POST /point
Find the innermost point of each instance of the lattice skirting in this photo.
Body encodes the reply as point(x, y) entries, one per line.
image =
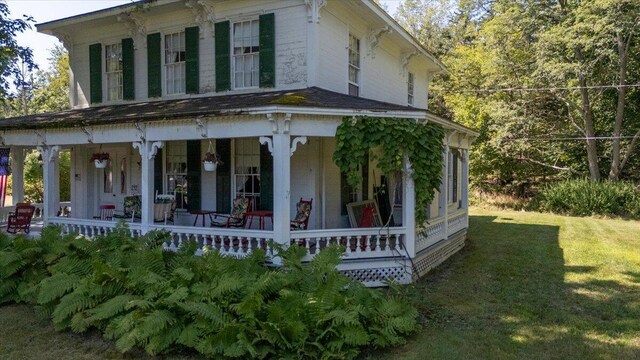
point(433, 256)
point(374, 273)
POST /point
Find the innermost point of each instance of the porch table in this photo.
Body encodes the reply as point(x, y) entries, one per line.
point(201, 213)
point(261, 215)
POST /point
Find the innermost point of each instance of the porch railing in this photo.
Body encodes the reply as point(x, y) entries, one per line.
point(65, 206)
point(231, 242)
point(431, 234)
point(91, 227)
point(457, 221)
point(359, 243)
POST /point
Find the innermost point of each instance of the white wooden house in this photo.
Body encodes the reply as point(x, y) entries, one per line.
point(265, 83)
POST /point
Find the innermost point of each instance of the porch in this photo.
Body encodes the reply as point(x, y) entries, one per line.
point(273, 157)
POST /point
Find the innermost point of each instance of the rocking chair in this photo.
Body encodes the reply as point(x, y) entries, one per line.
point(106, 212)
point(303, 211)
point(237, 218)
point(20, 219)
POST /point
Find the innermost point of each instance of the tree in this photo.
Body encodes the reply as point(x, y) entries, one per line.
point(13, 57)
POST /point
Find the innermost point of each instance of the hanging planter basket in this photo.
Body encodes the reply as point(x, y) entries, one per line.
point(211, 160)
point(100, 159)
point(101, 164)
point(210, 165)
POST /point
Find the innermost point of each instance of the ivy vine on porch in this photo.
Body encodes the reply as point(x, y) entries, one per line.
point(420, 143)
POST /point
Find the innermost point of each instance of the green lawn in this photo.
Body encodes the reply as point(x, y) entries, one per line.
point(526, 286)
point(533, 286)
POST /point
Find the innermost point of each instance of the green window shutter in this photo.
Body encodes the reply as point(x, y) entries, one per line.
point(267, 51)
point(223, 56)
point(192, 47)
point(154, 65)
point(95, 73)
point(266, 178)
point(223, 176)
point(158, 186)
point(128, 74)
point(194, 175)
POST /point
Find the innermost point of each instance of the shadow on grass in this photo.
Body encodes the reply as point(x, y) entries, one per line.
point(506, 296)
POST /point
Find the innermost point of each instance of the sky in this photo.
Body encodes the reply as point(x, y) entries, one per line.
point(47, 10)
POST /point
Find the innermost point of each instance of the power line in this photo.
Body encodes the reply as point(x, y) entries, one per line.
point(517, 89)
point(567, 138)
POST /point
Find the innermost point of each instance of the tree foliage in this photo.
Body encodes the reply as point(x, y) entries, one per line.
point(13, 57)
point(561, 44)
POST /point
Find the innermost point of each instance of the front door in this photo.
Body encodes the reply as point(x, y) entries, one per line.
point(113, 180)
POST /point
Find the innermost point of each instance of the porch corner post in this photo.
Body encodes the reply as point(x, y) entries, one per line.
point(281, 189)
point(148, 151)
point(17, 175)
point(443, 210)
point(465, 183)
point(51, 181)
point(409, 209)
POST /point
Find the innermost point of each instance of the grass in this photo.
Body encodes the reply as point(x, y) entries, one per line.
point(533, 286)
point(526, 286)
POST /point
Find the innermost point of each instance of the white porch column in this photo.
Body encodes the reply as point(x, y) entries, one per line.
point(282, 187)
point(408, 209)
point(148, 151)
point(17, 175)
point(465, 182)
point(51, 181)
point(443, 203)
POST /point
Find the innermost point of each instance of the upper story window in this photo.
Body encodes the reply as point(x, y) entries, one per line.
point(410, 88)
point(113, 71)
point(354, 65)
point(174, 63)
point(246, 51)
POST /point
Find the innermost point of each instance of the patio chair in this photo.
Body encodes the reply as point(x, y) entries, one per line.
point(20, 219)
point(106, 212)
point(132, 208)
point(303, 211)
point(237, 218)
point(164, 207)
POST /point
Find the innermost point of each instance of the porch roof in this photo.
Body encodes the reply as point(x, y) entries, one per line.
point(212, 106)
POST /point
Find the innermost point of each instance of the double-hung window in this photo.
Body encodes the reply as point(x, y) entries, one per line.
point(354, 65)
point(113, 71)
point(452, 195)
point(246, 53)
point(174, 63)
point(176, 171)
point(410, 88)
point(247, 170)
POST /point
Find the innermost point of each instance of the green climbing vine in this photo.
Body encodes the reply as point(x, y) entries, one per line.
point(395, 138)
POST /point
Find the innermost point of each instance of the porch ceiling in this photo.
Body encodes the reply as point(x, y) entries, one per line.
point(209, 106)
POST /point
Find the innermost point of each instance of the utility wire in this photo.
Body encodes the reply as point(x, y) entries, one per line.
point(567, 138)
point(517, 89)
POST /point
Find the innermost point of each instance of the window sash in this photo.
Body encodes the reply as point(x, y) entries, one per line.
point(354, 66)
point(410, 89)
point(113, 71)
point(175, 63)
point(176, 172)
point(245, 51)
point(247, 170)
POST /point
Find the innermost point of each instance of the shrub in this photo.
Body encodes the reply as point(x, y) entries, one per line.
point(585, 198)
point(142, 296)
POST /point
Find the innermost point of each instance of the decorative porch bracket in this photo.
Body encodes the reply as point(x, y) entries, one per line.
point(404, 60)
point(153, 150)
point(89, 134)
point(48, 152)
point(298, 140)
point(203, 13)
point(137, 27)
point(202, 126)
point(268, 141)
point(313, 10)
point(275, 126)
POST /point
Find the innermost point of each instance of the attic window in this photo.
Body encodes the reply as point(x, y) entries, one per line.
point(113, 71)
point(354, 65)
point(410, 88)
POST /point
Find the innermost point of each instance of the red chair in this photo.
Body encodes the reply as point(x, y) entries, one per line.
point(106, 212)
point(20, 219)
